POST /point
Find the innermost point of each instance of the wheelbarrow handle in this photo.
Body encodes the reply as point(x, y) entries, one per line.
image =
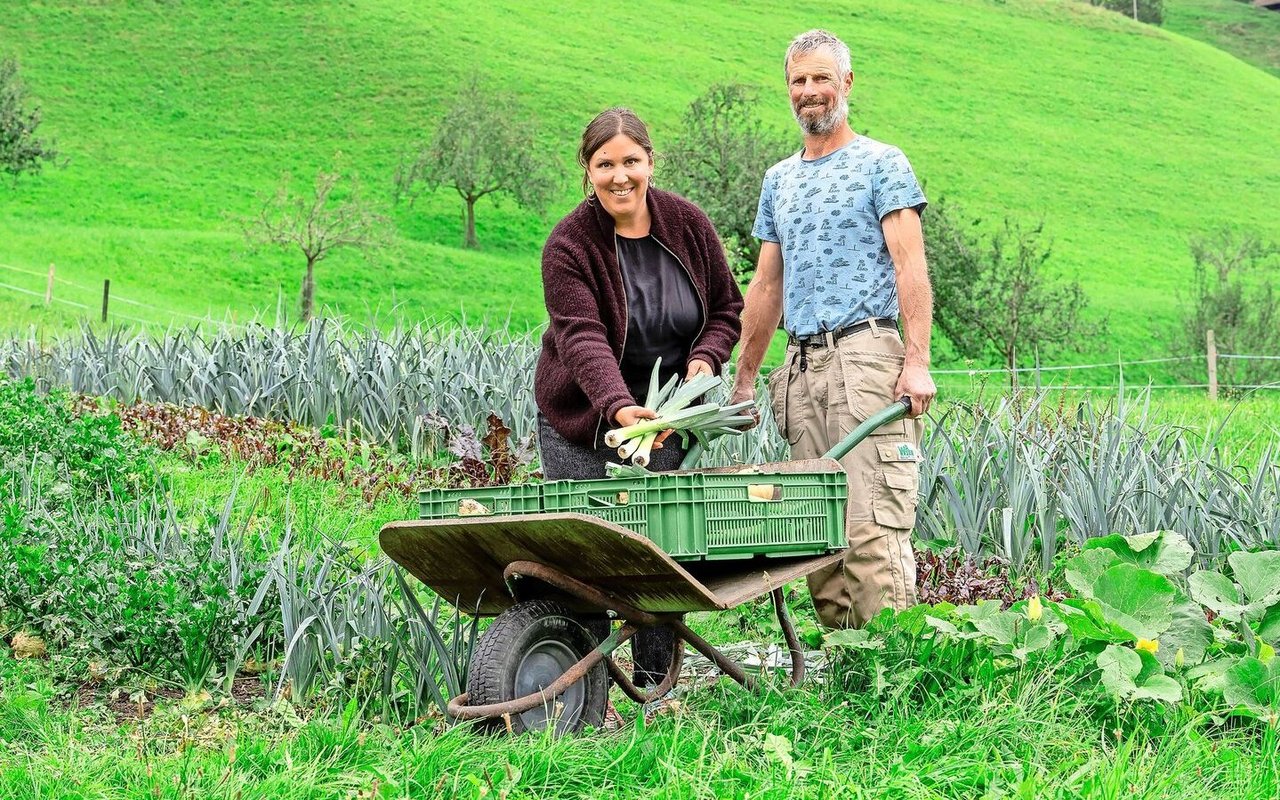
point(894, 412)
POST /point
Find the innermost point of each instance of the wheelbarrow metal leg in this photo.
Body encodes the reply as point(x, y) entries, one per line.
point(730, 668)
point(637, 694)
point(459, 709)
point(789, 634)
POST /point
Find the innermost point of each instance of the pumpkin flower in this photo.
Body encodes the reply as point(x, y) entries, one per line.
point(1180, 658)
point(1034, 609)
point(1152, 646)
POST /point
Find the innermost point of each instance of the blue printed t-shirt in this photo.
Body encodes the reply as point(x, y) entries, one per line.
point(825, 214)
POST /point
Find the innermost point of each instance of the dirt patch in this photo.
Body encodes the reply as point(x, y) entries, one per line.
point(123, 705)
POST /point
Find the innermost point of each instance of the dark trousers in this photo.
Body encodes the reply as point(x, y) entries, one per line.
point(652, 648)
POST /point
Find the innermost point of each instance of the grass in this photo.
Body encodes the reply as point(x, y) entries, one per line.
point(1248, 33)
point(174, 122)
point(1032, 733)
point(268, 500)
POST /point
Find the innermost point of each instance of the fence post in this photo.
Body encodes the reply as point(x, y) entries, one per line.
point(1212, 350)
point(48, 287)
point(106, 293)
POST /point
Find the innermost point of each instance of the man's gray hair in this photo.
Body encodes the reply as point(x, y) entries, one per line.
point(818, 39)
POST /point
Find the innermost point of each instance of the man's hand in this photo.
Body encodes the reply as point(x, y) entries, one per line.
point(742, 392)
point(916, 383)
point(697, 367)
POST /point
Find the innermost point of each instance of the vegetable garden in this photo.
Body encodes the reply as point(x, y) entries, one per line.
point(194, 603)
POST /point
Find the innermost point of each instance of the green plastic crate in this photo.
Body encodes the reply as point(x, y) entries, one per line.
point(662, 508)
point(803, 515)
point(497, 500)
point(715, 516)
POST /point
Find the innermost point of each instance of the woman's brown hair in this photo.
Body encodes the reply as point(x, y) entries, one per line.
point(605, 126)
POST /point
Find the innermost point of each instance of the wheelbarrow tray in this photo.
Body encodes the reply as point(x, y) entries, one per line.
point(463, 561)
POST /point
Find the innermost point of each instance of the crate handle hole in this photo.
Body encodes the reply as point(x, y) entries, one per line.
point(764, 492)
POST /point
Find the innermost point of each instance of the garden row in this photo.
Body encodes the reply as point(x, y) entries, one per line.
point(1016, 477)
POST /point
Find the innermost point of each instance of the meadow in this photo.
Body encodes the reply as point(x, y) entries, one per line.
point(174, 124)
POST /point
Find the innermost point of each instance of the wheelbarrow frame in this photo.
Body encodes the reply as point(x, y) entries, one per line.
point(531, 551)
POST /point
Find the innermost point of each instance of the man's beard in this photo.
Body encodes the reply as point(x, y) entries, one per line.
point(826, 123)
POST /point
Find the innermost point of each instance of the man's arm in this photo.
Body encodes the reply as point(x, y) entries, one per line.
point(905, 239)
point(760, 319)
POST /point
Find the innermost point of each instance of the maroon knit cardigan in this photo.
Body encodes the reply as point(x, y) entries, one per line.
point(578, 380)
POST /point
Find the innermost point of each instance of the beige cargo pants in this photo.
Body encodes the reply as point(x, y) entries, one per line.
point(841, 385)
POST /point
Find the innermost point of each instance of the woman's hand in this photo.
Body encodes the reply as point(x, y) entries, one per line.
point(697, 366)
point(630, 415)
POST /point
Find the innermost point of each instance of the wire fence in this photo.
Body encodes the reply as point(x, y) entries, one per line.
point(165, 316)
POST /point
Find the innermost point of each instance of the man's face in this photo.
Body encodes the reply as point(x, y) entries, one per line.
point(819, 93)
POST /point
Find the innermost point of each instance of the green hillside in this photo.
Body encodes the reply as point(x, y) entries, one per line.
point(1124, 138)
point(1249, 33)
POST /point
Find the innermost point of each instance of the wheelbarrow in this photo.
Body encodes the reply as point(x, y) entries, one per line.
point(643, 550)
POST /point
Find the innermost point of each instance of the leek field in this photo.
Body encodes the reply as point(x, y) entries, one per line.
point(192, 598)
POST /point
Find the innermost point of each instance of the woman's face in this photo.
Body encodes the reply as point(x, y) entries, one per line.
point(619, 171)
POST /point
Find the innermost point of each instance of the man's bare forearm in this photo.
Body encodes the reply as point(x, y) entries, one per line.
point(915, 302)
point(761, 314)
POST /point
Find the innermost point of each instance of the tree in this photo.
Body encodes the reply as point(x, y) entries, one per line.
point(1234, 295)
point(485, 145)
point(718, 160)
point(992, 293)
point(20, 150)
point(317, 224)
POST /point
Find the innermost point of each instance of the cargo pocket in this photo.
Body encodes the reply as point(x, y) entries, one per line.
point(779, 383)
point(869, 379)
point(895, 503)
point(897, 484)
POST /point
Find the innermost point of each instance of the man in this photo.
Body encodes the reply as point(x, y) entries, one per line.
point(842, 254)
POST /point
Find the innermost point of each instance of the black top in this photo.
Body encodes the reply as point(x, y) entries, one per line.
point(663, 313)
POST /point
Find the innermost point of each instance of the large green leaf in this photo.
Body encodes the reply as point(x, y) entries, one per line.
point(856, 638)
point(1258, 574)
point(1085, 569)
point(1269, 626)
point(1250, 684)
point(1189, 632)
point(1165, 552)
point(1211, 676)
point(948, 629)
point(1003, 627)
point(1086, 622)
point(1136, 675)
point(1138, 600)
point(1216, 591)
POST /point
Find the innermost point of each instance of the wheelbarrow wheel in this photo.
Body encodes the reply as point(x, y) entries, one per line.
point(521, 652)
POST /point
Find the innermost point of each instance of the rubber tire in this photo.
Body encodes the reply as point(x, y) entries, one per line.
point(502, 648)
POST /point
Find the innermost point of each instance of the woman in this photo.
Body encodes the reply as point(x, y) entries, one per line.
point(630, 275)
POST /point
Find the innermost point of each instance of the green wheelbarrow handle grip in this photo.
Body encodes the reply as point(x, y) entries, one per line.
point(894, 412)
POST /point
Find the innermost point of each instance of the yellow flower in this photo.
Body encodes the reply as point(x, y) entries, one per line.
point(1180, 658)
point(1152, 646)
point(1034, 609)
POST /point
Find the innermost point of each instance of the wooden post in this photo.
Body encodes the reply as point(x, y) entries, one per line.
point(48, 288)
point(1212, 350)
point(106, 294)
